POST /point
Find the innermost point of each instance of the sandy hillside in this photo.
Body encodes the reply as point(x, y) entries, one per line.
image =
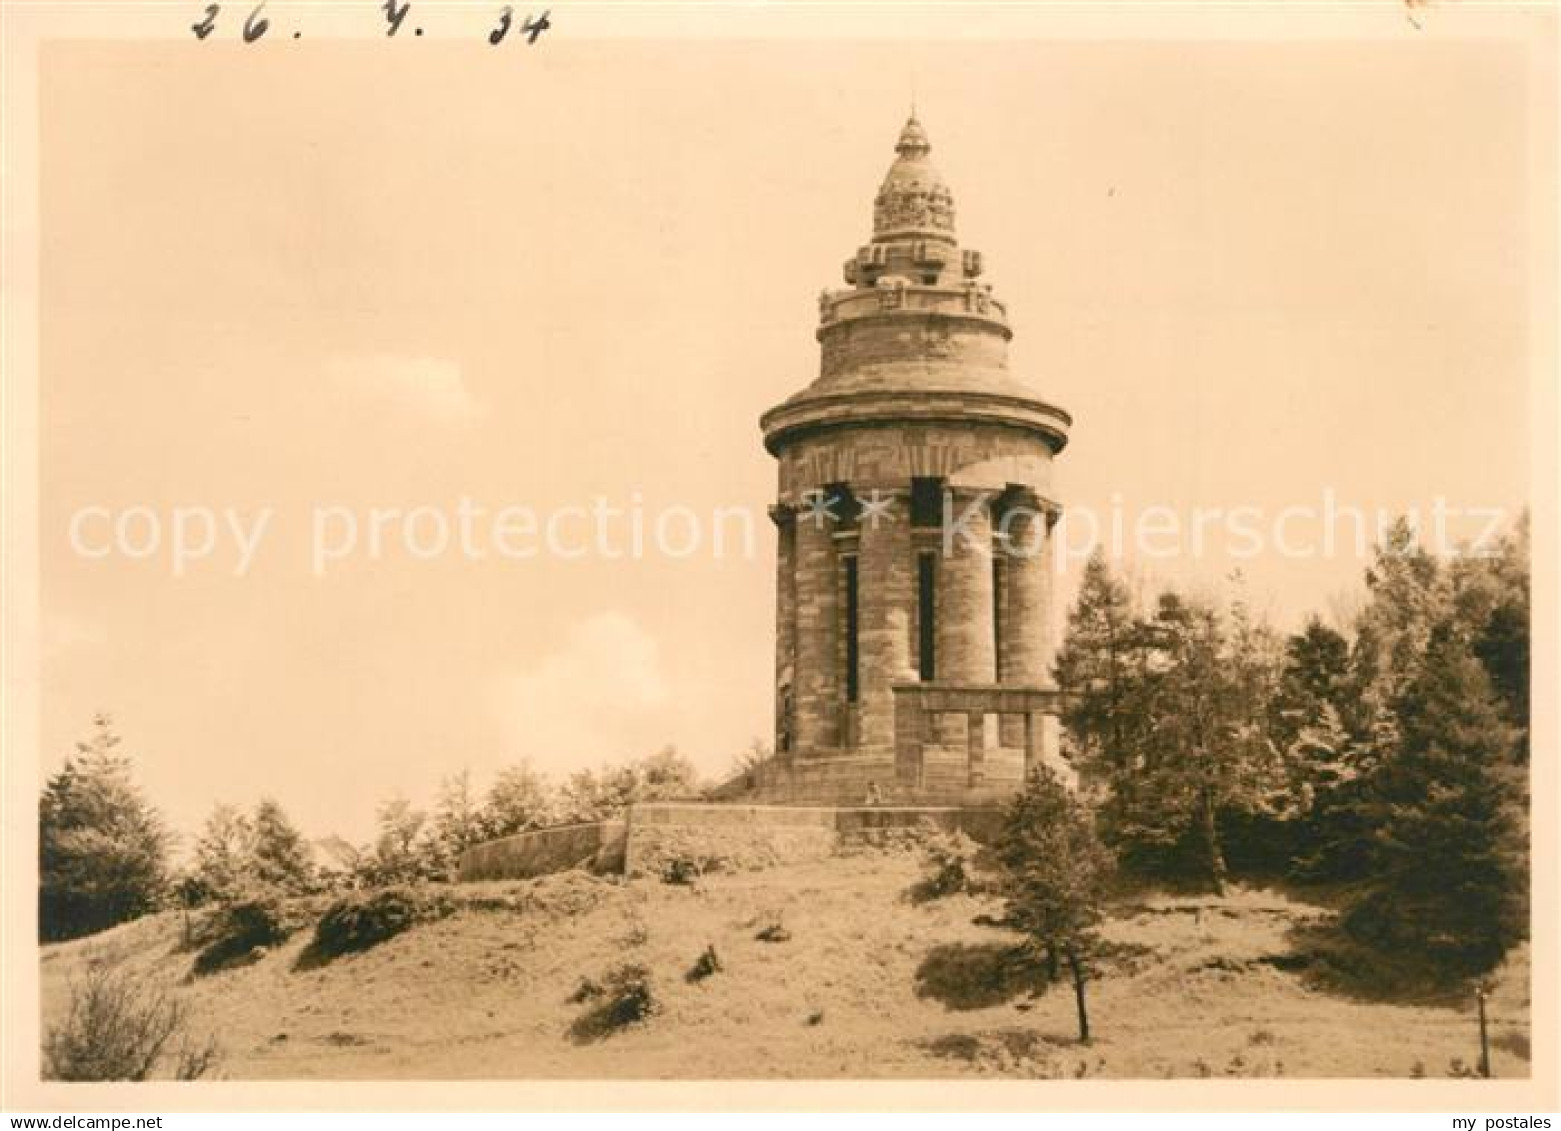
point(867, 984)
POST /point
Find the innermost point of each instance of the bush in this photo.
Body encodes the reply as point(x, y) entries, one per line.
point(119, 1029)
point(239, 930)
point(627, 998)
point(774, 932)
point(682, 870)
point(359, 922)
point(951, 867)
point(706, 964)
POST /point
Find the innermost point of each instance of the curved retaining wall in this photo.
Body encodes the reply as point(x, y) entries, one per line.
point(597, 845)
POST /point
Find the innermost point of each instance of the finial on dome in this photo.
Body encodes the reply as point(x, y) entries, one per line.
point(913, 197)
point(913, 139)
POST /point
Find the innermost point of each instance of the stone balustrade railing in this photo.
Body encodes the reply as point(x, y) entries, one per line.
point(972, 738)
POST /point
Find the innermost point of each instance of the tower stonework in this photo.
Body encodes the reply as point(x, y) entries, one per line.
point(913, 517)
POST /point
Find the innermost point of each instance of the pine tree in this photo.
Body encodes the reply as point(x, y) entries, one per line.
point(279, 855)
point(1253, 797)
point(1449, 875)
point(1322, 761)
point(1194, 749)
point(1333, 801)
point(223, 855)
point(1094, 669)
point(1316, 666)
point(103, 850)
point(1206, 687)
point(1492, 605)
point(1174, 714)
point(1503, 649)
point(1054, 877)
point(1408, 595)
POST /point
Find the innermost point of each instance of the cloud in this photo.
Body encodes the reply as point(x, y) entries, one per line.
point(600, 697)
point(425, 386)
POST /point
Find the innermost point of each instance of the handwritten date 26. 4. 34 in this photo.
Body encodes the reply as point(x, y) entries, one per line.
point(395, 13)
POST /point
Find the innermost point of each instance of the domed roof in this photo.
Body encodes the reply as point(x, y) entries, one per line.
point(915, 338)
point(913, 197)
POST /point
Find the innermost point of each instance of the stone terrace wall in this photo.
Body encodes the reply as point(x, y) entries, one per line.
point(598, 845)
point(725, 837)
point(980, 824)
point(713, 837)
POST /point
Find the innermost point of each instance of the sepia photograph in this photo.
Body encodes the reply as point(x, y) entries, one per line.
point(686, 556)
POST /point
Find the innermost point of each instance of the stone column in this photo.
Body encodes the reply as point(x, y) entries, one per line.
point(785, 519)
point(1023, 539)
point(966, 634)
point(886, 589)
point(817, 681)
point(975, 748)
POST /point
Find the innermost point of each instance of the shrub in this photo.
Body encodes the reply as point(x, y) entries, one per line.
point(119, 1029)
point(627, 998)
point(359, 922)
point(774, 932)
point(706, 964)
point(951, 867)
point(684, 870)
point(239, 930)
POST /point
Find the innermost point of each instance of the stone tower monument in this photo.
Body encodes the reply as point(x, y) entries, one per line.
point(914, 512)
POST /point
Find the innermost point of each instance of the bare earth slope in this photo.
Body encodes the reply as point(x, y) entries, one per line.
point(868, 984)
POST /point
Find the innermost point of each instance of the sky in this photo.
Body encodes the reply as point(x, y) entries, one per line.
point(330, 277)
